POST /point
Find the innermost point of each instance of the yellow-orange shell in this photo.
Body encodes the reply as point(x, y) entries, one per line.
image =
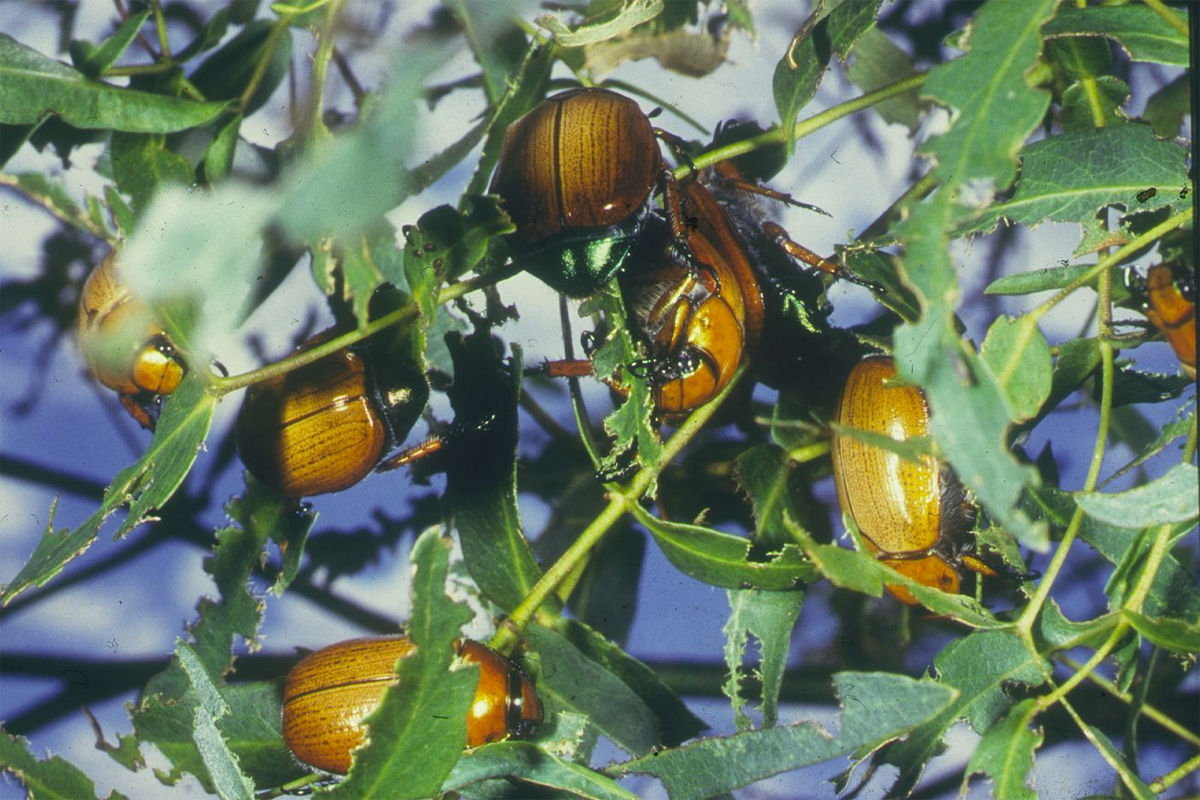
point(330, 692)
point(106, 306)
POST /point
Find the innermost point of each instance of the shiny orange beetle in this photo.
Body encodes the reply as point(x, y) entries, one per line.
point(331, 691)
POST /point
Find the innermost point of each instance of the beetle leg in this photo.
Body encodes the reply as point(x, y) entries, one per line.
point(563, 368)
point(665, 369)
point(680, 225)
point(137, 409)
point(436, 443)
point(679, 147)
point(776, 233)
point(743, 185)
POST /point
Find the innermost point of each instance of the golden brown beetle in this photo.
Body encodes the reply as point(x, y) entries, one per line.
point(331, 691)
point(699, 326)
point(576, 174)
point(913, 516)
point(324, 426)
point(142, 372)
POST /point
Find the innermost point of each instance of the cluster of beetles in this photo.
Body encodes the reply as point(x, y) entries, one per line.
point(578, 176)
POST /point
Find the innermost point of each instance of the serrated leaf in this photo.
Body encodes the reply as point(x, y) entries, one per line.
point(53, 778)
point(631, 14)
point(222, 764)
point(799, 72)
point(1006, 753)
point(146, 486)
point(996, 110)
point(573, 682)
point(981, 667)
point(424, 712)
point(875, 708)
point(769, 617)
point(1141, 32)
point(530, 763)
point(1068, 178)
point(996, 107)
point(1018, 356)
point(33, 86)
point(1171, 498)
point(722, 559)
point(677, 722)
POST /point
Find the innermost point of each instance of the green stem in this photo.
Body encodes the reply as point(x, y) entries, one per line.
point(804, 127)
point(1174, 776)
point(223, 385)
point(278, 29)
point(1149, 711)
point(620, 500)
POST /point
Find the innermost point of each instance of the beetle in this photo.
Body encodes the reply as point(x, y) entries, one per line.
point(576, 175)
point(1168, 297)
point(329, 693)
point(141, 371)
point(324, 426)
point(915, 517)
point(699, 325)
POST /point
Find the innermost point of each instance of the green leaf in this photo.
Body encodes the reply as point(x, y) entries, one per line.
point(996, 107)
point(425, 711)
point(531, 764)
point(1045, 279)
point(1080, 102)
point(53, 196)
point(226, 74)
point(94, 60)
point(875, 709)
point(218, 158)
point(996, 111)
point(769, 617)
point(799, 72)
point(677, 722)
point(878, 62)
point(481, 479)
point(33, 86)
point(53, 778)
point(1172, 498)
point(165, 715)
point(573, 682)
point(221, 763)
point(142, 164)
point(146, 486)
point(1070, 177)
point(1141, 32)
point(1018, 356)
point(722, 559)
point(982, 668)
point(1006, 753)
point(862, 572)
point(631, 14)
point(1166, 108)
point(1176, 635)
